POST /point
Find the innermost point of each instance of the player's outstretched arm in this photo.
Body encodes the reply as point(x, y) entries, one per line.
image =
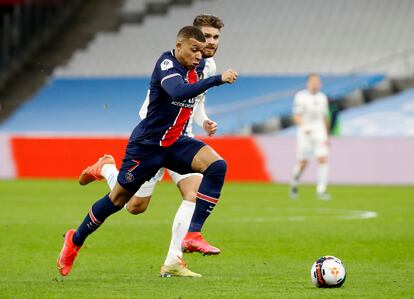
point(179, 90)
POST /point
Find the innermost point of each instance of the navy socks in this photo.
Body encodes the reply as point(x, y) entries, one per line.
point(101, 210)
point(208, 194)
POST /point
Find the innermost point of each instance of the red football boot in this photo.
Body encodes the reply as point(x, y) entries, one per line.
point(194, 242)
point(67, 254)
point(93, 173)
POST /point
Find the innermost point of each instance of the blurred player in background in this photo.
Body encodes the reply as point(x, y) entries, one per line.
point(310, 114)
point(159, 141)
point(188, 183)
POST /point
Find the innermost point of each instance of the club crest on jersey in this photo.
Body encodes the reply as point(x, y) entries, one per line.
point(129, 177)
point(166, 64)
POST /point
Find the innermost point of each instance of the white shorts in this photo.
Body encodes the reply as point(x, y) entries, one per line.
point(148, 187)
point(308, 147)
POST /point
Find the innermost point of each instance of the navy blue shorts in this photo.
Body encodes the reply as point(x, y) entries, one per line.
point(141, 162)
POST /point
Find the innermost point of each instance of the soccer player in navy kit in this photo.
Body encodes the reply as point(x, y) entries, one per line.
point(158, 141)
point(188, 184)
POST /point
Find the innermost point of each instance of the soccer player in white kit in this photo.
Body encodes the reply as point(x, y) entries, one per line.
point(188, 184)
point(310, 114)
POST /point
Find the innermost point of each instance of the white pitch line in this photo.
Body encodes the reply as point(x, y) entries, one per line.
point(360, 215)
point(341, 214)
point(344, 215)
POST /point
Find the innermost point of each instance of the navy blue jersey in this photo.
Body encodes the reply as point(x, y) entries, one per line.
point(172, 95)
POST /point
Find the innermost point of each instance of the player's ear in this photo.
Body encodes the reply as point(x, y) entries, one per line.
point(178, 45)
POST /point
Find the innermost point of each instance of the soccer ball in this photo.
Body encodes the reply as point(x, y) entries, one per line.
point(328, 272)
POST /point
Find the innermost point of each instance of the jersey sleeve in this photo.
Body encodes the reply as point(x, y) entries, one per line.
point(144, 108)
point(297, 104)
point(210, 68)
point(326, 104)
point(199, 114)
point(181, 91)
point(173, 83)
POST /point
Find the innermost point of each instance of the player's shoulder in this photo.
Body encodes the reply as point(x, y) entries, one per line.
point(322, 96)
point(210, 62)
point(303, 93)
point(210, 67)
point(166, 61)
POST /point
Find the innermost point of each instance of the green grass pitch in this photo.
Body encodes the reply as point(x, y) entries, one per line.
point(268, 243)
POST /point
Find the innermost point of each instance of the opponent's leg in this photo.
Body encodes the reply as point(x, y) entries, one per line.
point(298, 170)
point(174, 264)
point(103, 168)
point(322, 179)
point(140, 201)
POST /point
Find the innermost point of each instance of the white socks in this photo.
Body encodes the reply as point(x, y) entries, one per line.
point(179, 230)
point(110, 173)
point(322, 178)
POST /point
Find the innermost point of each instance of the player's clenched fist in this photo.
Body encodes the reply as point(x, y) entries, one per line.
point(210, 127)
point(229, 76)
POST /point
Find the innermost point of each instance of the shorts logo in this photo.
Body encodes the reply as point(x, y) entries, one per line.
point(129, 177)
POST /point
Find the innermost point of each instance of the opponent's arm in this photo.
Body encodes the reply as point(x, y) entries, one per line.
point(297, 119)
point(297, 111)
point(199, 113)
point(144, 108)
point(201, 118)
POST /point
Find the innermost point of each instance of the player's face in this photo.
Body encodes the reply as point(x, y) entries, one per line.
point(189, 53)
point(212, 36)
point(314, 84)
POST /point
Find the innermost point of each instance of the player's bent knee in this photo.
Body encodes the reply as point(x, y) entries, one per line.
point(138, 205)
point(217, 168)
point(119, 195)
point(137, 210)
point(190, 195)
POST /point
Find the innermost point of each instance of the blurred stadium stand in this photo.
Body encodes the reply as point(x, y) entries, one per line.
point(391, 117)
point(73, 103)
point(269, 37)
point(356, 45)
point(26, 26)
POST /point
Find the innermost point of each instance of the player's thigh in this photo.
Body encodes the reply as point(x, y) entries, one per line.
point(181, 154)
point(204, 158)
point(188, 184)
point(304, 148)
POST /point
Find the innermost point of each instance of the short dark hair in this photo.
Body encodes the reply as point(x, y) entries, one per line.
point(208, 21)
point(188, 32)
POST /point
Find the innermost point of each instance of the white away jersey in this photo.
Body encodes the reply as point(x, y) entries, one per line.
point(313, 109)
